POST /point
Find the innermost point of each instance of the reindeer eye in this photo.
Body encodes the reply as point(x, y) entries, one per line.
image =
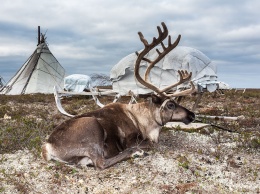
point(171, 105)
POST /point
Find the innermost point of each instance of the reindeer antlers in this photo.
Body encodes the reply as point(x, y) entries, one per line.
point(184, 75)
point(162, 35)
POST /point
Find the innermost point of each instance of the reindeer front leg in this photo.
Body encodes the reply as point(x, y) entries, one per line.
point(124, 155)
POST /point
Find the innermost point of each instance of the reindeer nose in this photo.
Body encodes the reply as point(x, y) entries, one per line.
point(190, 117)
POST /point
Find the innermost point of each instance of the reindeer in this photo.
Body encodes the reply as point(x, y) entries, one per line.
point(115, 132)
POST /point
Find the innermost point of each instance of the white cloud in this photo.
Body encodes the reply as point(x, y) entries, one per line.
point(9, 47)
point(244, 33)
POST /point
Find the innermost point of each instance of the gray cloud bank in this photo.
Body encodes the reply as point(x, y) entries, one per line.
point(92, 36)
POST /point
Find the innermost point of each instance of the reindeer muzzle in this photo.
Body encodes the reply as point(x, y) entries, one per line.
point(189, 118)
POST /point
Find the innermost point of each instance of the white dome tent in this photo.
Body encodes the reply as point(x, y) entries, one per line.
point(77, 83)
point(204, 71)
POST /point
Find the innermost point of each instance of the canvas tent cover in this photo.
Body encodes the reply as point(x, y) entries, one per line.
point(77, 83)
point(39, 74)
point(165, 72)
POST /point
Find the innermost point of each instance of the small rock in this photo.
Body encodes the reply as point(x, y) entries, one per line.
point(7, 117)
point(241, 117)
point(212, 150)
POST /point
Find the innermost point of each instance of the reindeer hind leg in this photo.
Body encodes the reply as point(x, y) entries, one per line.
point(48, 153)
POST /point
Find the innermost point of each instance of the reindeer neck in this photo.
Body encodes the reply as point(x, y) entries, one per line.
point(146, 116)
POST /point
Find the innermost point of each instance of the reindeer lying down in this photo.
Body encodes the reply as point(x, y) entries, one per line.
point(113, 133)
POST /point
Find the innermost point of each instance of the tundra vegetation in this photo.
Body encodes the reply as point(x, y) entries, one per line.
point(207, 160)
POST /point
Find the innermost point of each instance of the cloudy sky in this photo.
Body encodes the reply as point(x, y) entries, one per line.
point(91, 36)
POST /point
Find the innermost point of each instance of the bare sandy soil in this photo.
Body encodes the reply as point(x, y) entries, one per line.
point(209, 160)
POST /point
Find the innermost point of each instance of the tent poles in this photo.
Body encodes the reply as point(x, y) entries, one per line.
point(39, 35)
point(39, 54)
point(29, 77)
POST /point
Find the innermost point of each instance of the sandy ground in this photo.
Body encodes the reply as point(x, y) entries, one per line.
point(181, 163)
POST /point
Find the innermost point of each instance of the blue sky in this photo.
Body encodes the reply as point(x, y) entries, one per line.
point(91, 36)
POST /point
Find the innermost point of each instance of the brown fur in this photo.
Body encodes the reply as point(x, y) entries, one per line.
point(112, 133)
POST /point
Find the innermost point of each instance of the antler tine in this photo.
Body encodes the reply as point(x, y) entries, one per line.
point(184, 92)
point(143, 39)
point(184, 76)
point(162, 35)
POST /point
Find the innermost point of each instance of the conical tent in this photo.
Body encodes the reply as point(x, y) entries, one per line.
point(39, 74)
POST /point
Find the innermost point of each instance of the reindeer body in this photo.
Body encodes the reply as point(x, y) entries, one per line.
point(112, 133)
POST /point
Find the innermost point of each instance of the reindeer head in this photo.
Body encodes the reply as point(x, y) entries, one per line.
point(169, 109)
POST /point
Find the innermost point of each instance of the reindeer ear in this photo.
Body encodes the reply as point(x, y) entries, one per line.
point(156, 99)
